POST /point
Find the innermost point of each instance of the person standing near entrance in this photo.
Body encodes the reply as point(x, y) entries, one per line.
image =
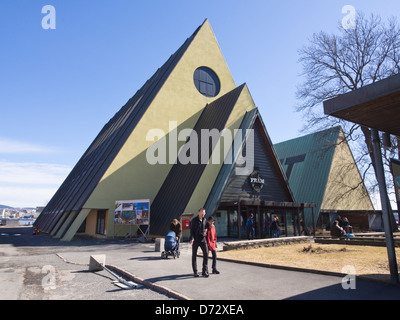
point(212, 243)
point(275, 227)
point(198, 232)
point(250, 227)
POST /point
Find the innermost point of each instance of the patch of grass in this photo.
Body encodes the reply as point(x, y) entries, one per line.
point(366, 260)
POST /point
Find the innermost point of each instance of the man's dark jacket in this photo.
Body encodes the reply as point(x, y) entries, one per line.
point(197, 228)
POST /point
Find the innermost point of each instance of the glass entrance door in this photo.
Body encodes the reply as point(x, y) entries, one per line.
point(233, 223)
point(221, 223)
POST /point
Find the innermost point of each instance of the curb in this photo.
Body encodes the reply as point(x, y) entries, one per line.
point(328, 273)
point(148, 284)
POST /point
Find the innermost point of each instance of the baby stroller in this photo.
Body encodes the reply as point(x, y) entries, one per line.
point(170, 246)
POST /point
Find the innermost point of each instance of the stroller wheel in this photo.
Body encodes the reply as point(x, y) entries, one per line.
point(174, 255)
point(178, 254)
point(163, 255)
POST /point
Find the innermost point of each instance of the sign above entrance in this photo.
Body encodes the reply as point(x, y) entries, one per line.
point(256, 181)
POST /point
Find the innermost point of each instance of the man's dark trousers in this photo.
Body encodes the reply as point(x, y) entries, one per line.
point(203, 245)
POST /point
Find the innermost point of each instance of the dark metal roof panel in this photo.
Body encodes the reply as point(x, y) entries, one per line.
point(227, 168)
point(82, 180)
point(182, 180)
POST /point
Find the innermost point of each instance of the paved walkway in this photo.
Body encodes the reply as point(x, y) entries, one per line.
point(236, 281)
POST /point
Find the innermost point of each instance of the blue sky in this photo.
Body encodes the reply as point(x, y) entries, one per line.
point(58, 88)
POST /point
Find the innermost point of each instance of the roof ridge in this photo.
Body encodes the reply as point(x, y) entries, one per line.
point(326, 131)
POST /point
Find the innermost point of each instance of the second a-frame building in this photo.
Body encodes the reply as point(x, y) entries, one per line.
point(321, 169)
point(189, 138)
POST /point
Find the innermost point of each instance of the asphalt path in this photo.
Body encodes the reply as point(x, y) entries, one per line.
point(42, 268)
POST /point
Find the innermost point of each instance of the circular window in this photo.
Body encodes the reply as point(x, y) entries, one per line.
point(206, 81)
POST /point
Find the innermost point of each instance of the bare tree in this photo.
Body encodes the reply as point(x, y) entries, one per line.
point(334, 64)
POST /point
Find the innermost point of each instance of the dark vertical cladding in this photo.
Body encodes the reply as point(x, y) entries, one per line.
point(224, 175)
point(84, 177)
point(267, 165)
point(182, 180)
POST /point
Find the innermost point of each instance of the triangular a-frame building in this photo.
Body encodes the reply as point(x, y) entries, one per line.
point(192, 93)
point(321, 169)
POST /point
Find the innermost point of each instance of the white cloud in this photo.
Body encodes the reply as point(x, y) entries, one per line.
point(32, 173)
point(25, 197)
point(29, 184)
point(9, 146)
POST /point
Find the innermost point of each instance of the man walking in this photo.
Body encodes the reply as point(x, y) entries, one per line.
point(197, 239)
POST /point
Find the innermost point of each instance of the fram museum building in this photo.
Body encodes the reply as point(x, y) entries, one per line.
point(190, 138)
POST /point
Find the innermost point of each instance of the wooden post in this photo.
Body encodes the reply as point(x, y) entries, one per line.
point(298, 221)
point(286, 222)
point(258, 222)
point(239, 222)
point(313, 220)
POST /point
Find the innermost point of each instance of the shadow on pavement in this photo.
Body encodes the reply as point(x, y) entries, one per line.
point(364, 291)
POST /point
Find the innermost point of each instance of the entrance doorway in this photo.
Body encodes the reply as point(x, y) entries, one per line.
point(233, 229)
point(290, 216)
point(235, 223)
point(245, 213)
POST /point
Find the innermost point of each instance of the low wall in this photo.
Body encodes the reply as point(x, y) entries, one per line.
point(259, 243)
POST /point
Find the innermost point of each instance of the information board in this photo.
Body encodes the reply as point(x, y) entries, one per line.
point(132, 212)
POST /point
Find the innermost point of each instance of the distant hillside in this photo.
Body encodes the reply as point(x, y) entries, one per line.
point(5, 207)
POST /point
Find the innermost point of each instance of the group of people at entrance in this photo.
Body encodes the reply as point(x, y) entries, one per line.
point(251, 225)
point(203, 235)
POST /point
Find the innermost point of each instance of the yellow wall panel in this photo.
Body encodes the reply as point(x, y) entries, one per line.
point(130, 176)
point(345, 189)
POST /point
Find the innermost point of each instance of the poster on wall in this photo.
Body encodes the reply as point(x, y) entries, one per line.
point(132, 212)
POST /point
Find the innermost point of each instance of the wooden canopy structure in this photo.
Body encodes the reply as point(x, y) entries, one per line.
point(376, 106)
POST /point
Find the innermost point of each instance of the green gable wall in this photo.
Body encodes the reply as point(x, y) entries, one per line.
point(307, 163)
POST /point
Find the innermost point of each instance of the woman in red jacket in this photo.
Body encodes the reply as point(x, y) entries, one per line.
point(211, 238)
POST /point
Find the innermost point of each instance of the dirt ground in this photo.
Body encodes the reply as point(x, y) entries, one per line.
point(366, 260)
